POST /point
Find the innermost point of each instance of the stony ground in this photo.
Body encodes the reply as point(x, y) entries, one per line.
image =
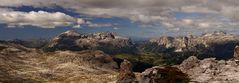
point(19, 64)
point(210, 70)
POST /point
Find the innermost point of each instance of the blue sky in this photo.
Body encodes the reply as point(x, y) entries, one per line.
point(32, 19)
point(123, 26)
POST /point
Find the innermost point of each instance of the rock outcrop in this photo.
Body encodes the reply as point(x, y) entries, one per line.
point(152, 75)
point(162, 75)
point(236, 52)
point(126, 74)
point(210, 70)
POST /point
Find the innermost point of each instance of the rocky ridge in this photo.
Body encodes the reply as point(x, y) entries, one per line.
point(210, 70)
point(236, 52)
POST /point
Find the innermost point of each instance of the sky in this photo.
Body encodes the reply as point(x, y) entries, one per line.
point(32, 19)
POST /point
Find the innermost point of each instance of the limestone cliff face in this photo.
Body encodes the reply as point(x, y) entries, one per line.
point(179, 43)
point(218, 43)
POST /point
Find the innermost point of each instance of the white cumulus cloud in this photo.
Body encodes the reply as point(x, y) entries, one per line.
point(144, 11)
point(40, 19)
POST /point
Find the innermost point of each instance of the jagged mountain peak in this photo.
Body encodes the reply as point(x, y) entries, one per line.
point(217, 43)
point(104, 35)
point(72, 40)
point(71, 33)
point(215, 33)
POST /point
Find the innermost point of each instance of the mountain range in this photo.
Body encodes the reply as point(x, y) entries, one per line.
point(217, 44)
point(103, 57)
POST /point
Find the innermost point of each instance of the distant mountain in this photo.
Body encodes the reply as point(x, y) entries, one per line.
point(216, 44)
point(219, 44)
point(8, 47)
point(33, 43)
point(105, 41)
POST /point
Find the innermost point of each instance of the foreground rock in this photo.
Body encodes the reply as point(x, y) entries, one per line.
point(152, 75)
point(236, 52)
point(126, 74)
point(162, 75)
point(210, 70)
